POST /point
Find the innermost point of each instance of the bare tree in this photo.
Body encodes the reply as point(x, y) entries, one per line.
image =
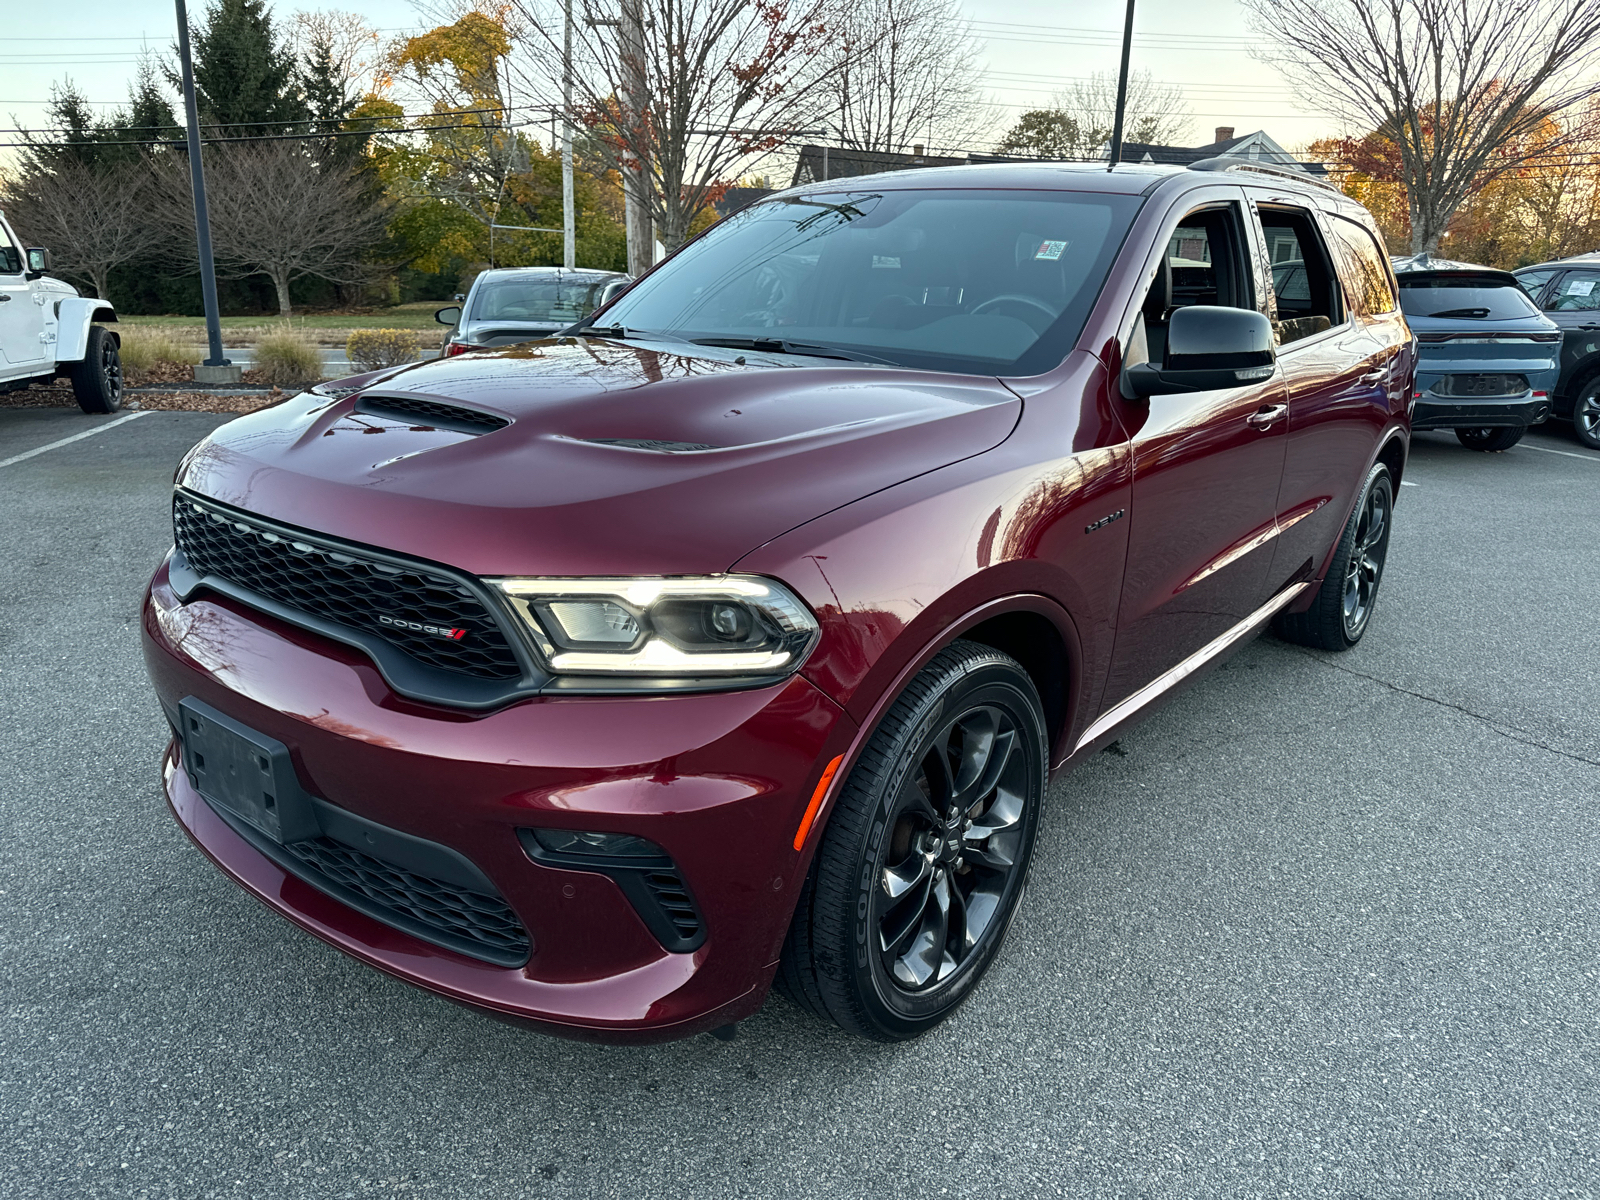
point(94, 217)
point(1459, 86)
point(906, 71)
point(276, 211)
point(1080, 120)
point(699, 90)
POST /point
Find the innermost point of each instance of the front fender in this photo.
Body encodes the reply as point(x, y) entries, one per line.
point(74, 315)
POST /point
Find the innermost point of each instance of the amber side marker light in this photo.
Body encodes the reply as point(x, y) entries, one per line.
point(816, 802)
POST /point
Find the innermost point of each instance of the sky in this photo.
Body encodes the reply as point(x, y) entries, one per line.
point(1031, 49)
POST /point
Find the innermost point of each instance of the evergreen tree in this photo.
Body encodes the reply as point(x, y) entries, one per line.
point(244, 77)
point(73, 135)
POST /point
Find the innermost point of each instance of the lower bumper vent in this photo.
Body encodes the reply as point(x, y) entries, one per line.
point(483, 921)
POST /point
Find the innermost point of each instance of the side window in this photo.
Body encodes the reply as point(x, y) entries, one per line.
point(1204, 263)
point(1305, 289)
point(1363, 269)
point(10, 256)
point(1578, 291)
point(1533, 281)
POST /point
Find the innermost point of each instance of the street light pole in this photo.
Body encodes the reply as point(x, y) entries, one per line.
point(202, 218)
point(569, 220)
point(1122, 88)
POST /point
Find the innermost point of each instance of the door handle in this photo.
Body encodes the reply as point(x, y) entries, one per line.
point(4, 296)
point(1266, 415)
point(1377, 376)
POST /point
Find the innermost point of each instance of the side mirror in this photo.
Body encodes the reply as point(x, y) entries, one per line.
point(612, 290)
point(448, 316)
point(1208, 348)
point(38, 260)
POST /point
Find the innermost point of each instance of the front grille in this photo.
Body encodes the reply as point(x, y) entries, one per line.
point(432, 413)
point(341, 584)
point(459, 914)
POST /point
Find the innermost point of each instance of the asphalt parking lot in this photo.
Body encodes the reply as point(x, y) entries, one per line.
point(1324, 926)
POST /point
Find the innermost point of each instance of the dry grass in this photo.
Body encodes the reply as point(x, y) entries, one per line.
point(286, 358)
point(374, 349)
point(145, 349)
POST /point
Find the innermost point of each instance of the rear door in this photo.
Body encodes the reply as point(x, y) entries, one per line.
point(1339, 367)
point(1206, 466)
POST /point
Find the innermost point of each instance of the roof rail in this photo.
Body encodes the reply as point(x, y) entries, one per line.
point(1223, 163)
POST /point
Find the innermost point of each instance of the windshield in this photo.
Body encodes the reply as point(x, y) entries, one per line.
point(1481, 299)
point(536, 299)
point(954, 280)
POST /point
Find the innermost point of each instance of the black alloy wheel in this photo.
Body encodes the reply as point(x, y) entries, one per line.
point(1364, 566)
point(1343, 606)
point(1586, 414)
point(1492, 440)
point(97, 379)
point(926, 854)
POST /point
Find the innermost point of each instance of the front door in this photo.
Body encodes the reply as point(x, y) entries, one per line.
point(21, 320)
point(1206, 469)
point(1572, 301)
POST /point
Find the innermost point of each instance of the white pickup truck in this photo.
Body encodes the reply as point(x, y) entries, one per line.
point(47, 329)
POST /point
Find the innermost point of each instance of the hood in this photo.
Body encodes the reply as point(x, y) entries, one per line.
point(610, 458)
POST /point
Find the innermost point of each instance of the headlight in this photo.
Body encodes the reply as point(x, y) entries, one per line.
point(722, 625)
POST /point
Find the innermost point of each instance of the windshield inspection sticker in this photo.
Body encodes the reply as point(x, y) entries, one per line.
point(886, 260)
point(1050, 250)
point(1580, 287)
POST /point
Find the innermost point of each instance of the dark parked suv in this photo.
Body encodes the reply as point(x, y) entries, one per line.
point(600, 681)
point(1568, 292)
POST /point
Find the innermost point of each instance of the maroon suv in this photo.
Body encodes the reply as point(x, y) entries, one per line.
point(734, 635)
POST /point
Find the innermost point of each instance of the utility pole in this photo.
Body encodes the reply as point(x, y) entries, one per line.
point(641, 237)
point(1122, 88)
point(569, 217)
point(216, 368)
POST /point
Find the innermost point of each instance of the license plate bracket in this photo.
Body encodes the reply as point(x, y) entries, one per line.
point(246, 772)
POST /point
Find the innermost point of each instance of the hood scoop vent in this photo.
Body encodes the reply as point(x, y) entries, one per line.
point(416, 411)
point(656, 444)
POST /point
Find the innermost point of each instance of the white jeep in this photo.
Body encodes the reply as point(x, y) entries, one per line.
point(47, 329)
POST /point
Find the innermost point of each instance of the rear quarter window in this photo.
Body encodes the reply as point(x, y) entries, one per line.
point(1362, 267)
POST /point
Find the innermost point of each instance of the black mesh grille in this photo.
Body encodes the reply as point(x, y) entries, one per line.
point(675, 901)
point(430, 412)
point(651, 444)
point(469, 916)
point(342, 585)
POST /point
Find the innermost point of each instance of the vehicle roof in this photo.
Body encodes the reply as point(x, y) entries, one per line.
point(538, 272)
point(1129, 179)
point(1591, 259)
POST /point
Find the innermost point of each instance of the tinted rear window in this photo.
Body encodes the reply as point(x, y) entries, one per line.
point(1485, 299)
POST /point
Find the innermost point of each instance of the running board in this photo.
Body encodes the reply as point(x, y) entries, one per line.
point(1170, 679)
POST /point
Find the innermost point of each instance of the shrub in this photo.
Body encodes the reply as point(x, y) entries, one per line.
point(144, 349)
point(374, 349)
point(285, 358)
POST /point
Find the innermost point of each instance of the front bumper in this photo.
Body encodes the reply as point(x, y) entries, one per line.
point(720, 781)
point(1432, 412)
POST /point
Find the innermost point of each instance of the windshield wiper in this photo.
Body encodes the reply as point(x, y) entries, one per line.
point(1462, 312)
point(783, 346)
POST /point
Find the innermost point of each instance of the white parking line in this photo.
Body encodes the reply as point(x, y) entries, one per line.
point(1594, 458)
point(77, 437)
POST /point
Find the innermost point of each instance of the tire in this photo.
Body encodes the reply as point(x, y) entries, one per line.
point(1491, 440)
point(97, 380)
point(926, 857)
point(1340, 614)
point(1586, 414)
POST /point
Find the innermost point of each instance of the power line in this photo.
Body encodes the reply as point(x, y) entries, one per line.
point(461, 112)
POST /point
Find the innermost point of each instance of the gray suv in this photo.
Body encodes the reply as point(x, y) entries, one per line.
point(518, 304)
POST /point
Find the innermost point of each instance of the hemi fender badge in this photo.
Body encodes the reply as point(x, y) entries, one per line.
point(443, 631)
point(1104, 521)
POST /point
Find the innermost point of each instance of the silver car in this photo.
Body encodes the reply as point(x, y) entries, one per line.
point(518, 304)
